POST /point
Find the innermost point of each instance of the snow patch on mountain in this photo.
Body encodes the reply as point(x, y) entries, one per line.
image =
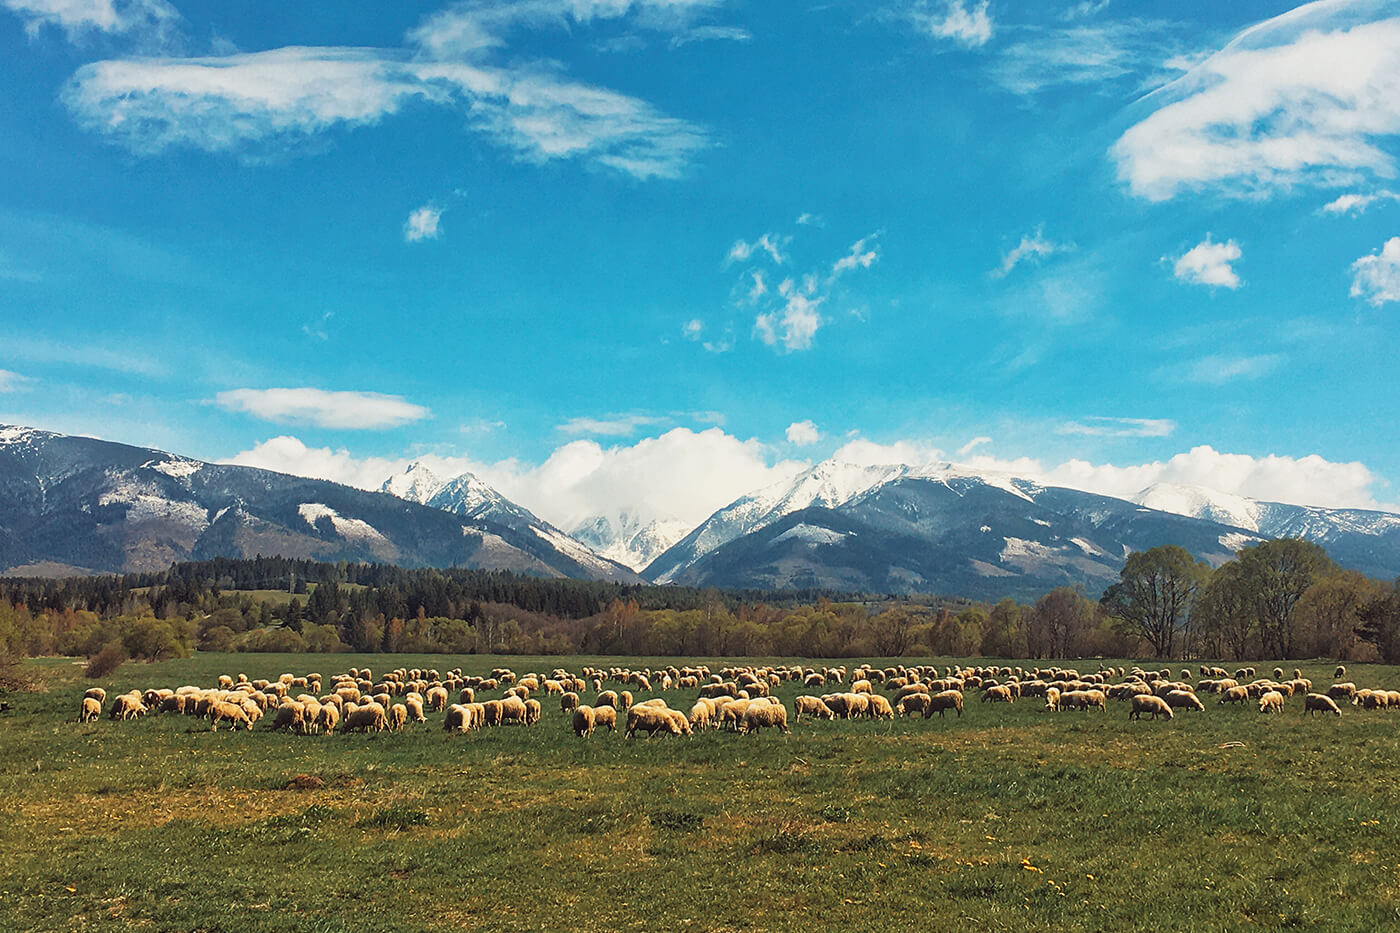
point(1234, 541)
point(628, 539)
point(1197, 502)
point(352, 529)
point(416, 483)
point(811, 534)
point(175, 468)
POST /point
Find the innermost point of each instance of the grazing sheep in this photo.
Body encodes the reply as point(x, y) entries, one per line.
point(701, 715)
point(1184, 699)
point(569, 701)
point(769, 715)
point(915, 703)
point(1320, 703)
point(219, 711)
point(468, 695)
point(457, 719)
point(96, 693)
point(1151, 704)
point(532, 712)
point(397, 717)
point(328, 718)
point(492, 712)
point(861, 686)
point(1278, 673)
point(583, 721)
point(1234, 695)
point(606, 698)
point(436, 698)
point(1342, 691)
point(649, 719)
point(605, 716)
point(415, 707)
point(513, 709)
point(1271, 702)
point(1052, 699)
point(811, 706)
point(880, 707)
point(1341, 672)
point(998, 694)
point(944, 701)
point(127, 707)
point(368, 718)
point(91, 709)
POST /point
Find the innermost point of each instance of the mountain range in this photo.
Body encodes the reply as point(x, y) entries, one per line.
point(75, 504)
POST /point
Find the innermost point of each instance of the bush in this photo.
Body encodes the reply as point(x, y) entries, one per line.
point(108, 659)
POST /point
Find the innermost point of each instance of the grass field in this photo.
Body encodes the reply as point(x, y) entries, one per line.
point(1006, 819)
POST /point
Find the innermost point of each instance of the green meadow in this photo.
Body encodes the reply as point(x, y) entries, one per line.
point(1008, 818)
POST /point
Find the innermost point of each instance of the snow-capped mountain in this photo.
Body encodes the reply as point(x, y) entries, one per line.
point(1363, 539)
point(627, 539)
point(472, 498)
point(76, 504)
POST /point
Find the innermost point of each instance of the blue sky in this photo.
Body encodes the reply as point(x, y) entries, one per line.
point(655, 253)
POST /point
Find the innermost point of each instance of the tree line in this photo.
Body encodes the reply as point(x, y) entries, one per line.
point(1279, 599)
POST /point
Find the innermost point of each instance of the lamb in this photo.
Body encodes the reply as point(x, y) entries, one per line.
point(1153, 705)
point(943, 701)
point(1271, 702)
point(771, 715)
point(1320, 703)
point(583, 721)
point(91, 709)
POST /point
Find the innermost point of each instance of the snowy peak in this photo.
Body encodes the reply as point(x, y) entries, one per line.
point(1198, 502)
point(629, 540)
point(416, 483)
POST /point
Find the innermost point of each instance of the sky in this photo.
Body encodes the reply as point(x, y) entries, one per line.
point(654, 254)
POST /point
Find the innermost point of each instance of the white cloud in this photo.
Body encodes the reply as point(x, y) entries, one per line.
point(681, 475)
point(1099, 426)
point(711, 34)
point(1220, 369)
point(1208, 263)
point(692, 329)
point(79, 18)
point(862, 256)
point(422, 224)
point(1306, 97)
point(770, 244)
point(1032, 248)
point(972, 445)
point(794, 325)
point(1308, 480)
point(970, 27)
point(1086, 54)
point(1357, 203)
point(1086, 9)
point(345, 410)
point(12, 381)
point(806, 219)
point(620, 426)
point(1377, 276)
point(803, 433)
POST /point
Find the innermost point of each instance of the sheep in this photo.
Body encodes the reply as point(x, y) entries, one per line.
point(368, 718)
point(1341, 691)
point(457, 719)
point(1184, 699)
point(770, 715)
point(1320, 703)
point(492, 712)
point(1271, 702)
point(513, 709)
point(328, 718)
point(1233, 695)
point(1341, 672)
point(468, 695)
point(397, 717)
point(96, 693)
point(235, 714)
point(914, 703)
point(532, 712)
point(625, 699)
point(127, 707)
point(649, 719)
point(861, 686)
point(1149, 703)
point(290, 715)
point(998, 694)
point(91, 709)
point(605, 716)
point(943, 701)
point(701, 715)
point(568, 702)
point(1371, 699)
point(1052, 699)
point(880, 707)
point(583, 721)
point(680, 725)
point(606, 698)
point(415, 707)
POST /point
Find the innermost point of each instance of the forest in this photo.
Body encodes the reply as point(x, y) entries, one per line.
point(1279, 599)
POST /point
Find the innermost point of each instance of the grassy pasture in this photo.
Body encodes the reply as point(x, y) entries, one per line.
point(1006, 819)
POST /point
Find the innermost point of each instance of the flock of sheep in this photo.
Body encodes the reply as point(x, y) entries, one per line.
point(738, 698)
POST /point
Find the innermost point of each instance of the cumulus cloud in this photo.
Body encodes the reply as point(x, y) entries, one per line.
point(1098, 426)
point(795, 324)
point(803, 433)
point(769, 244)
point(1305, 97)
point(422, 224)
point(792, 316)
point(1208, 263)
point(80, 18)
point(682, 475)
point(1353, 203)
point(861, 256)
point(1032, 248)
point(968, 26)
point(1376, 278)
point(345, 410)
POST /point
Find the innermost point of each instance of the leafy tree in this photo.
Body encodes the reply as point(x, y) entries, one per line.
point(1153, 596)
point(1276, 574)
point(1328, 615)
point(1380, 624)
point(1224, 616)
point(1057, 622)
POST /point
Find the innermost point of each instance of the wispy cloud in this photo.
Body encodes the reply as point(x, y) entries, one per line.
point(972, 445)
point(96, 354)
point(616, 426)
point(422, 224)
point(78, 19)
point(769, 244)
point(1208, 263)
point(1357, 203)
point(970, 26)
point(1085, 54)
point(711, 34)
point(318, 328)
point(326, 409)
point(1220, 369)
point(1032, 248)
point(1099, 426)
point(1376, 277)
point(862, 255)
point(1303, 98)
point(803, 433)
point(12, 382)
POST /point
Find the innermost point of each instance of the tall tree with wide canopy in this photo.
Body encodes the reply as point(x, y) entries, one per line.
point(1154, 595)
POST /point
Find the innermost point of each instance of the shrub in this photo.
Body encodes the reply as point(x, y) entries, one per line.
point(105, 661)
